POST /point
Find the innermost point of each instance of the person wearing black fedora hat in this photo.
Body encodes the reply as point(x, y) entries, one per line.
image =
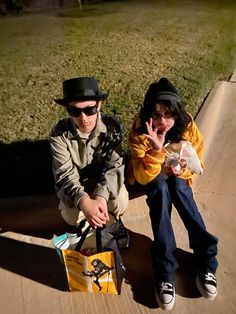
point(163, 123)
point(87, 160)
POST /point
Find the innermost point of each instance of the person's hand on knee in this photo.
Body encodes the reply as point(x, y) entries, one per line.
point(94, 211)
point(102, 204)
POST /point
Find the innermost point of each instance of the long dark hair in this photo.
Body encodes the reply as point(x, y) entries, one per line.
point(181, 117)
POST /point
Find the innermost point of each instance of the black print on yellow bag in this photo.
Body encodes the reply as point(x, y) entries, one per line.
point(101, 272)
point(100, 269)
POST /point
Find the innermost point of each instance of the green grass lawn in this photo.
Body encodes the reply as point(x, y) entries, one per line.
point(125, 45)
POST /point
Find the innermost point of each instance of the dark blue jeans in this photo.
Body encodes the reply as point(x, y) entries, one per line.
point(161, 194)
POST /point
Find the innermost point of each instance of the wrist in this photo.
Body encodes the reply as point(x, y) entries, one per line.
point(157, 148)
point(81, 202)
point(99, 197)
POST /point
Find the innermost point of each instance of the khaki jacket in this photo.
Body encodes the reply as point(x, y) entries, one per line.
point(87, 165)
point(146, 162)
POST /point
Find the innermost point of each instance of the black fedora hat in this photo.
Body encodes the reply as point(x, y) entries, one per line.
point(81, 88)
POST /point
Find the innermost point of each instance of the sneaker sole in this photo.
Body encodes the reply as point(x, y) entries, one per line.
point(163, 306)
point(204, 293)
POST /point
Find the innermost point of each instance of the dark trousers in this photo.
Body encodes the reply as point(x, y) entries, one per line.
point(161, 194)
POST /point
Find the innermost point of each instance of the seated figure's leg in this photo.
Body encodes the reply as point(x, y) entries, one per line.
point(201, 241)
point(159, 202)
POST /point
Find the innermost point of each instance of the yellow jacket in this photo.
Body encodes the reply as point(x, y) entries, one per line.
point(146, 162)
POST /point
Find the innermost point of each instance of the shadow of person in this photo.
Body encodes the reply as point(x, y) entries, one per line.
point(140, 276)
point(35, 216)
point(25, 168)
point(185, 275)
point(34, 262)
point(139, 272)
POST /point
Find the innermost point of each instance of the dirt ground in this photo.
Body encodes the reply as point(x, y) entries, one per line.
point(31, 275)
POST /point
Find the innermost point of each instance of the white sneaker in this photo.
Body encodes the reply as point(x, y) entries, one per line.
point(207, 285)
point(165, 295)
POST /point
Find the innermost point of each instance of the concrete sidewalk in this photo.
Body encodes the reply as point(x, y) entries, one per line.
point(31, 274)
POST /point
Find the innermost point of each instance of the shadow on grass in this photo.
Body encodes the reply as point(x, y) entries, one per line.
point(28, 204)
point(25, 169)
point(34, 262)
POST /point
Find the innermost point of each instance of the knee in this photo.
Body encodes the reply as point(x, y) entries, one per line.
point(123, 198)
point(177, 184)
point(71, 215)
point(120, 204)
point(157, 187)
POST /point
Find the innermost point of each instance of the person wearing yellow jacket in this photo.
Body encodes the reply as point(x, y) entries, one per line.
point(163, 121)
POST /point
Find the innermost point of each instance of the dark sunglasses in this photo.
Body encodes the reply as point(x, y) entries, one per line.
point(76, 112)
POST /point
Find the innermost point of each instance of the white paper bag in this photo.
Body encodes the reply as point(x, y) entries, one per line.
point(184, 151)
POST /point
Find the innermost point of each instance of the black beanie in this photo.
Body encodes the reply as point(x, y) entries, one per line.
point(161, 90)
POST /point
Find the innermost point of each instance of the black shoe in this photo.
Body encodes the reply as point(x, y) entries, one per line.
point(165, 295)
point(207, 285)
point(121, 234)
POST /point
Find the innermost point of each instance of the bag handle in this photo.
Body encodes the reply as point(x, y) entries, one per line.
point(114, 216)
point(82, 239)
point(98, 239)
